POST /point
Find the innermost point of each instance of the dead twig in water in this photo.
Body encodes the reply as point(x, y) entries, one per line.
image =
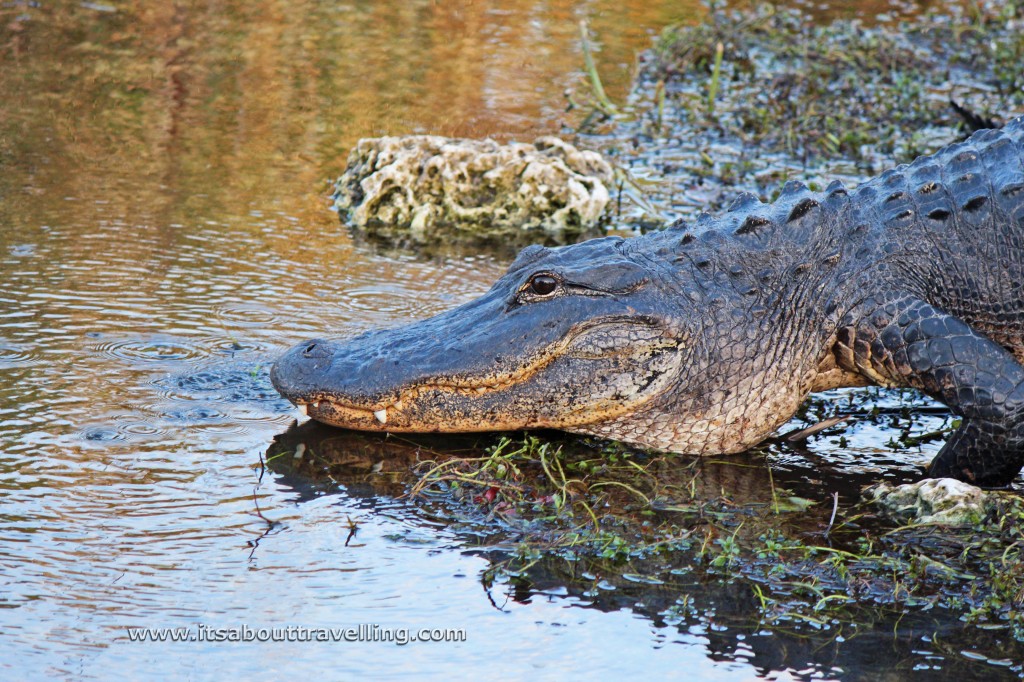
point(804, 434)
point(270, 524)
point(835, 508)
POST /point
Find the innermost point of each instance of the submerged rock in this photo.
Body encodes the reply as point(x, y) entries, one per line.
point(945, 501)
point(422, 187)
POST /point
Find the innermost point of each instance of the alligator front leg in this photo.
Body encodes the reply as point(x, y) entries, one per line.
point(907, 342)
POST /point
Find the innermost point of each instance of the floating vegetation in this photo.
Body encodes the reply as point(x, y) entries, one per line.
point(749, 99)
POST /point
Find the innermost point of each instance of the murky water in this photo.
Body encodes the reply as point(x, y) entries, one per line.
point(164, 234)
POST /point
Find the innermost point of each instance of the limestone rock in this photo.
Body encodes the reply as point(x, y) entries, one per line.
point(945, 501)
point(424, 188)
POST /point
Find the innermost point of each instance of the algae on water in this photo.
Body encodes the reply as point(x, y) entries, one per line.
point(748, 99)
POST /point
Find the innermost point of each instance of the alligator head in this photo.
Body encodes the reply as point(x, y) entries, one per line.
point(570, 338)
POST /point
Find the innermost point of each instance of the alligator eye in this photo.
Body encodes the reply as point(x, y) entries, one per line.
point(542, 285)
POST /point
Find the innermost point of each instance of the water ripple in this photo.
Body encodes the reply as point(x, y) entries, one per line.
point(228, 383)
point(15, 355)
point(157, 348)
point(228, 346)
point(246, 314)
point(100, 434)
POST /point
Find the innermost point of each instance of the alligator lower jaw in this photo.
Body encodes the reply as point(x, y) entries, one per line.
point(391, 414)
point(391, 419)
point(336, 414)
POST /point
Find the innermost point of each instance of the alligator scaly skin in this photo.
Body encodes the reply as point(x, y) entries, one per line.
point(710, 335)
point(916, 278)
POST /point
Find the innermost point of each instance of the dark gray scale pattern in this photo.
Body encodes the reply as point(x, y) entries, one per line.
point(915, 278)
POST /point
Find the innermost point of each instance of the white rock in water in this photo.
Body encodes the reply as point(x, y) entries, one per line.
point(421, 186)
point(945, 501)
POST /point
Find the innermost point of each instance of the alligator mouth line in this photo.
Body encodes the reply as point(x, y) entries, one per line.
point(413, 392)
point(381, 411)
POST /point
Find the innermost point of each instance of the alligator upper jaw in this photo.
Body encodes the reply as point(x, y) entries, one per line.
point(381, 381)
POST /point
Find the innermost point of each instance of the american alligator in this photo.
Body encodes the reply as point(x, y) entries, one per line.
point(705, 338)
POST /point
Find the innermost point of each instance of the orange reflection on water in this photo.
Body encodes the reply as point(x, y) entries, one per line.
point(176, 110)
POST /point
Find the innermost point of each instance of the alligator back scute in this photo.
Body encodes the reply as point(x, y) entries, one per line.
point(1004, 159)
point(958, 186)
point(744, 201)
point(971, 185)
point(933, 201)
point(898, 207)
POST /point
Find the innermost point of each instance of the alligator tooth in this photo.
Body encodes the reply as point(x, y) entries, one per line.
point(397, 405)
point(381, 415)
point(303, 408)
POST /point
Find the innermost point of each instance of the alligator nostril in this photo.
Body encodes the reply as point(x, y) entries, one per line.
point(309, 349)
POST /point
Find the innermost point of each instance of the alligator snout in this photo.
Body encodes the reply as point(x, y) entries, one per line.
point(366, 371)
point(302, 368)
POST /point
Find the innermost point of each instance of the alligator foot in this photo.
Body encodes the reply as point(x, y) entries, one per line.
point(904, 341)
